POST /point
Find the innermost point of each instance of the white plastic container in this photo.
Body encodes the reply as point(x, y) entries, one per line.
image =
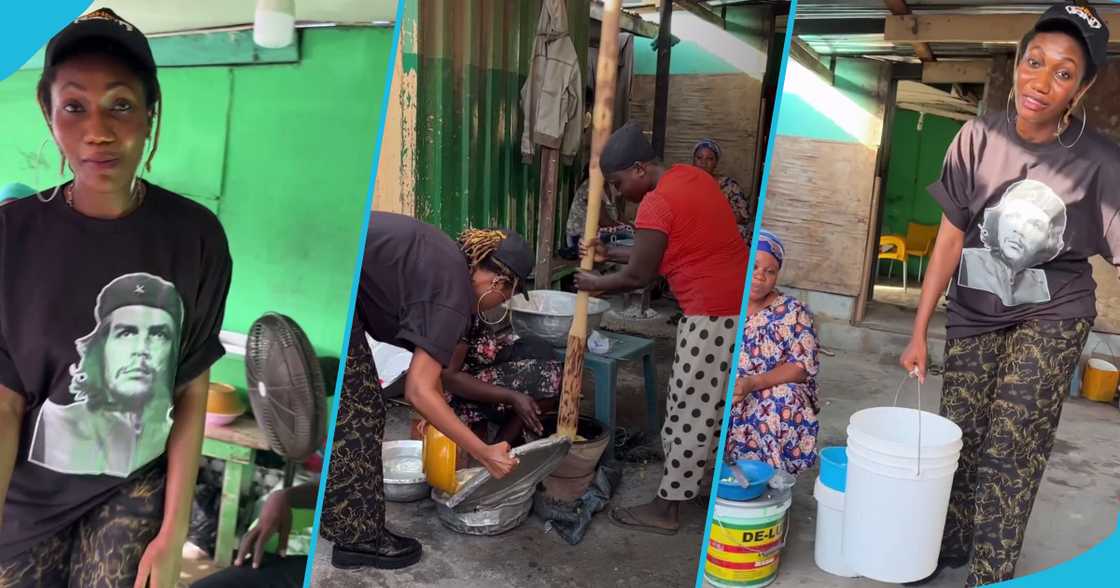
point(828, 548)
point(897, 492)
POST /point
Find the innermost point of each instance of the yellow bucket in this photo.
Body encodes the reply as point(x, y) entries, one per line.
point(1099, 380)
point(746, 540)
point(440, 456)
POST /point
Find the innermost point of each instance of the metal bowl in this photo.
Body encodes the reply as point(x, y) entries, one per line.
point(548, 315)
point(403, 465)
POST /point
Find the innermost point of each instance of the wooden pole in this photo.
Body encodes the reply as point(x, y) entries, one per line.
point(605, 83)
point(661, 82)
point(870, 257)
point(550, 164)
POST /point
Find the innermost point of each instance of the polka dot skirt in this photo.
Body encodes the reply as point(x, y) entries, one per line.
point(697, 389)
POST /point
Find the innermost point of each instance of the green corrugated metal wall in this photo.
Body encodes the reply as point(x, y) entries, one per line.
point(471, 58)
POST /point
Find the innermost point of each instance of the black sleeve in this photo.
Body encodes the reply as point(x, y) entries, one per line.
point(1109, 197)
point(201, 342)
point(435, 328)
point(9, 376)
point(954, 190)
point(1111, 249)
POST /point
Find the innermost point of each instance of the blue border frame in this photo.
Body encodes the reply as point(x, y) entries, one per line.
point(718, 472)
point(28, 26)
point(394, 49)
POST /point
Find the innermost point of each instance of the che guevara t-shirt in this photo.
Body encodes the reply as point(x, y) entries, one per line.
point(1032, 215)
point(101, 322)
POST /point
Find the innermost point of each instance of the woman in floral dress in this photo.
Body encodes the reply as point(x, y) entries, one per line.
point(705, 155)
point(502, 379)
point(774, 415)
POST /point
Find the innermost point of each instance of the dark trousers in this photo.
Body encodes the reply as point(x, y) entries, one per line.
point(103, 548)
point(354, 501)
point(1005, 391)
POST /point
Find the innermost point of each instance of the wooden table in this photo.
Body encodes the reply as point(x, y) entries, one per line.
point(236, 444)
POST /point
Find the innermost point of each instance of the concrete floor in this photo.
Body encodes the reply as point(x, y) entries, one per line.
point(1076, 508)
point(530, 556)
point(1077, 504)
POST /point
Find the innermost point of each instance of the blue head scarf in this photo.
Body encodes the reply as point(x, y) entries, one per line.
point(706, 144)
point(770, 243)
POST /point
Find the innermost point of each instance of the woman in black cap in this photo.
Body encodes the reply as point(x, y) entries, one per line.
point(1028, 196)
point(112, 293)
point(418, 290)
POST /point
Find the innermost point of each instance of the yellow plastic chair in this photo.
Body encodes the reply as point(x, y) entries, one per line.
point(893, 248)
point(919, 243)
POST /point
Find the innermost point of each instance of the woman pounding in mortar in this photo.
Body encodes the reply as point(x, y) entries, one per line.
point(418, 290)
point(1028, 196)
point(686, 232)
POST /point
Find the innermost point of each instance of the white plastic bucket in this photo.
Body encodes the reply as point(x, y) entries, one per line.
point(897, 492)
point(894, 431)
point(828, 548)
point(907, 467)
point(904, 472)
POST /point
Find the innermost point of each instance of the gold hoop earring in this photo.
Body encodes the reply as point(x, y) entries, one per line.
point(1007, 110)
point(61, 174)
point(40, 163)
point(1084, 120)
point(478, 308)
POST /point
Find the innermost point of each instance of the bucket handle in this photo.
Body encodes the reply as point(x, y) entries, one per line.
point(918, 384)
point(1104, 339)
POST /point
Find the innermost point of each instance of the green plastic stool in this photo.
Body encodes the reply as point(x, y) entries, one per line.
point(604, 369)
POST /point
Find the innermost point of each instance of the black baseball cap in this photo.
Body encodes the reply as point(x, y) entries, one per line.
point(516, 255)
point(1088, 24)
point(103, 24)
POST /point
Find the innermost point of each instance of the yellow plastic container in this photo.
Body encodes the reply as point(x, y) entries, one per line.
point(1099, 381)
point(222, 399)
point(440, 460)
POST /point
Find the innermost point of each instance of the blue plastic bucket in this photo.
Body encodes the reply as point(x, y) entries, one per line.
point(834, 467)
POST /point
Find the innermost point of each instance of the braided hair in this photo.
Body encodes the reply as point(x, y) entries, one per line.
point(478, 246)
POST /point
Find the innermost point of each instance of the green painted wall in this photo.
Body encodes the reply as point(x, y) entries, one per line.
point(688, 58)
point(809, 112)
point(691, 57)
point(281, 152)
point(916, 158)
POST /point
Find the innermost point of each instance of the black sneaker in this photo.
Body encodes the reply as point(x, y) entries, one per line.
point(942, 563)
point(392, 553)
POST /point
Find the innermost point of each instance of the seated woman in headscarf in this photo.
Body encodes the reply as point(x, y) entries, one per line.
point(705, 155)
point(774, 415)
point(500, 378)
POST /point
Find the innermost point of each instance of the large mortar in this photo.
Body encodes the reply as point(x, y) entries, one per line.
point(577, 470)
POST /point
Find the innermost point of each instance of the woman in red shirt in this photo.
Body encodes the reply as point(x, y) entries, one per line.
point(685, 231)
